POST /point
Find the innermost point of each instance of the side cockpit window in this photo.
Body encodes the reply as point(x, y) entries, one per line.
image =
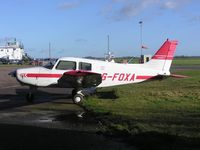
point(85, 66)
point(49, 65)
point(66, 65)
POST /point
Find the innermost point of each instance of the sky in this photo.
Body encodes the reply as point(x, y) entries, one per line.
point(80, 27)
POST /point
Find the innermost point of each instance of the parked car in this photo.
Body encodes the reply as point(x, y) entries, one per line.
point(4, 61)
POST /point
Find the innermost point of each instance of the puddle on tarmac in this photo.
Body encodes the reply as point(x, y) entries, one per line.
point(74, 121)
point(77, 117)
point(45, 120)
point(73, 117)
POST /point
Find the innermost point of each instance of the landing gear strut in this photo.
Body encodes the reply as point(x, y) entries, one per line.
point(30, 94)
point(29, 97)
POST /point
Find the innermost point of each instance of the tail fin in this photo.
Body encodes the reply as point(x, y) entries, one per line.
point(163, 57)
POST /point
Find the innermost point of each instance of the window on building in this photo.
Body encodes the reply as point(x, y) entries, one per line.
point(85, 66)
point(66, 65)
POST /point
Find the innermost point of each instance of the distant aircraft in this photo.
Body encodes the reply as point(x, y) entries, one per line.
point(84, 75)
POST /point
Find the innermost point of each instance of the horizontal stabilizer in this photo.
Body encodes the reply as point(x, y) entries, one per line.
point(179, 76)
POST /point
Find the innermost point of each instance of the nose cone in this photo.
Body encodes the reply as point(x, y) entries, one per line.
point(16, 74)
point(22, 75)
point(13, 73)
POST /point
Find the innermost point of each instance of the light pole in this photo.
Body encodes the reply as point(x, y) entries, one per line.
point(49, 51)
point(108, 44)
point(141, 37)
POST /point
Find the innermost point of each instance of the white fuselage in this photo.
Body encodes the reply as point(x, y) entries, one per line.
point(112, 73)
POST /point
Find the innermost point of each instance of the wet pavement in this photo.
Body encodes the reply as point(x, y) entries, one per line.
point(51, 122)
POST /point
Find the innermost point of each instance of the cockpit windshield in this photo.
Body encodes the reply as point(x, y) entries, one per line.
point(49, 65)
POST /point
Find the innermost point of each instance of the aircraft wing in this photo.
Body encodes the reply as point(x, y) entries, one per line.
point(80, 79)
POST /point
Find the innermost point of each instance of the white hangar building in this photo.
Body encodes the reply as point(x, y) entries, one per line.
point(12, 50)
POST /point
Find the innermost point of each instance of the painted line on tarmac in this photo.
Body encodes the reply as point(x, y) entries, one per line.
point(7, 87)
point(4, 100)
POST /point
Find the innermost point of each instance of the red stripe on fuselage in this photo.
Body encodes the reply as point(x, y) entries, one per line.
point(144, 77)
point(37, 75)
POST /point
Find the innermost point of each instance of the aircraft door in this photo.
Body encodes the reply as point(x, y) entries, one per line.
point(64, 66)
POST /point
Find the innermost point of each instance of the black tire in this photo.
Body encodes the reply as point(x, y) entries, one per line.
point(74, 91)
point(29, 97)
point(77, 98)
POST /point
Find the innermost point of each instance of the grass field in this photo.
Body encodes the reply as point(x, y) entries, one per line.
point(186, 61)
point(169, 107)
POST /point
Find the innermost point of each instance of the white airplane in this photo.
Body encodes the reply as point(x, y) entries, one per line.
point(84, 74)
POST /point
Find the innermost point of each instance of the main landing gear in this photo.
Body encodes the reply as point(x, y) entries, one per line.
point(77, 95)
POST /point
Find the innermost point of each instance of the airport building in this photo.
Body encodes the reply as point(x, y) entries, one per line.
point(12, 50)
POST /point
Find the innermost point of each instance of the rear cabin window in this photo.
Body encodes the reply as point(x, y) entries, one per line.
point(85, 66)
point(66, 65)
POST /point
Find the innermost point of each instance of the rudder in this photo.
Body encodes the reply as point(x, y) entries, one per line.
point(166, 51)
point(163, 57)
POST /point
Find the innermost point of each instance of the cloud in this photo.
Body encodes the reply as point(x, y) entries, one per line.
point(174, 4)
point(119, 10)
point(68, 5)
point(125, 9)
point(194, 19)
point(60, 51)
point(80, 40)
point(170, 5)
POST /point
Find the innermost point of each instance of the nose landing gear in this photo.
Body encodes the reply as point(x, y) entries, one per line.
point(29, 97)
point(30, 94)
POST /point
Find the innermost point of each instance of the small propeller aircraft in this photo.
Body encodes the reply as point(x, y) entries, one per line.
point(85, 74)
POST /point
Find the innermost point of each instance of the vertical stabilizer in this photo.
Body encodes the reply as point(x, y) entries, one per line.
point(163, 57)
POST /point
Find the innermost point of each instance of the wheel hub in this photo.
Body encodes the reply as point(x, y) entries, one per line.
point(77, 99)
